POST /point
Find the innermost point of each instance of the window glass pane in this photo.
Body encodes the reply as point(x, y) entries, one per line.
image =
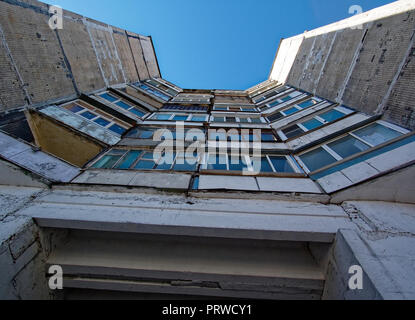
point(180, 118)
point(148, 155)
point(292, 131)
point(107, 162)
point(129, 159)
point(123, 105)
point(377, 134)
point(256, 120)
point(243, 120)
point(265, 167)
point(275, 116)
point(307, 104)
point(88, 115)
point(145, 164)
point(102, 122)
point(184, 165)
point(137, 112)
point(75, 108)
point(221, 108)
point(312, 124)
point(146, 134)
point(198, 119)
point(267, 137)
point(167, 162)
point(348, 146)
point(219, 119)
point(234, 137)
point(285, 99)
point(290, 111)
point(237, 164)
point(161, 116)
point(154, 92)
point(108, 97)
point(230, 119)
point(117, 129)
point(332, 115)
point(217, 136)
point(217, 162)
point(317, 159)
point(281, 164)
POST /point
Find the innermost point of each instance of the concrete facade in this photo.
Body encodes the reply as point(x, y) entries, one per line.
point(42, 65)
point(82, 187)
point(365, 62)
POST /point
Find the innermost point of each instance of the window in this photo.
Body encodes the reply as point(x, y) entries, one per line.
point(263, 164)
point(292, 131)
point(179, 117)
point(96, 116)
point(237, 119)
point(348, 146)
point(241, 136)
point(163, 87)
point(152, 91)
point(316, 122)
point(112, 98)
point(145, 160)
point(376, 134)
point(117, 129)
point(277, 102)
point(294, 109)
point(109, 160)
point(353, 143)
point(234, 109)
point(185, 108)
point(269, 95)
point(147, 133)
point(317, 159)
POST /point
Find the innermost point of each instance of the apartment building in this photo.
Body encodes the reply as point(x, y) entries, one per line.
point(137, 188)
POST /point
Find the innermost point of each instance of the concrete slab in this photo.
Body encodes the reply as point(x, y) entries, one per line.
point(288, 185)
point(214, 182)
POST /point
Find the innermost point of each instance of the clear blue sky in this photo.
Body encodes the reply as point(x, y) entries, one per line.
point(216, 44)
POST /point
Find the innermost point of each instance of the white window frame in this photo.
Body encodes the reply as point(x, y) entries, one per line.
point(341, 109)
point(336, 155)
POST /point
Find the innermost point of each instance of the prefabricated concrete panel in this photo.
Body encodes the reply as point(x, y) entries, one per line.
point(318, 56)
point(150, 57)
point(106, 52)
point(138, 55)
point(287, 185)
point(80, 53)
point(295, 76)
point(136, 179)
point(126, 55)
point(207, 182)
point(385, 47)
point(38, 162)
point(36, 51)
point(341, 57)
point(394, 187)
point(12, 94)
point(399, 108)
point(79, 123)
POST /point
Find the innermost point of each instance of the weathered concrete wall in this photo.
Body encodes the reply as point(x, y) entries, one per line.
point(365, 62)
point(40, 65)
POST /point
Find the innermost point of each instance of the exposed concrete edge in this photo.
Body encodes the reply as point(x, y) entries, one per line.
point(376, 276)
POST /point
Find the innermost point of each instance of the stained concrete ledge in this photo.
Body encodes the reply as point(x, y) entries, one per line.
point(180, 215)
point(384, 246)
point(159, 180)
